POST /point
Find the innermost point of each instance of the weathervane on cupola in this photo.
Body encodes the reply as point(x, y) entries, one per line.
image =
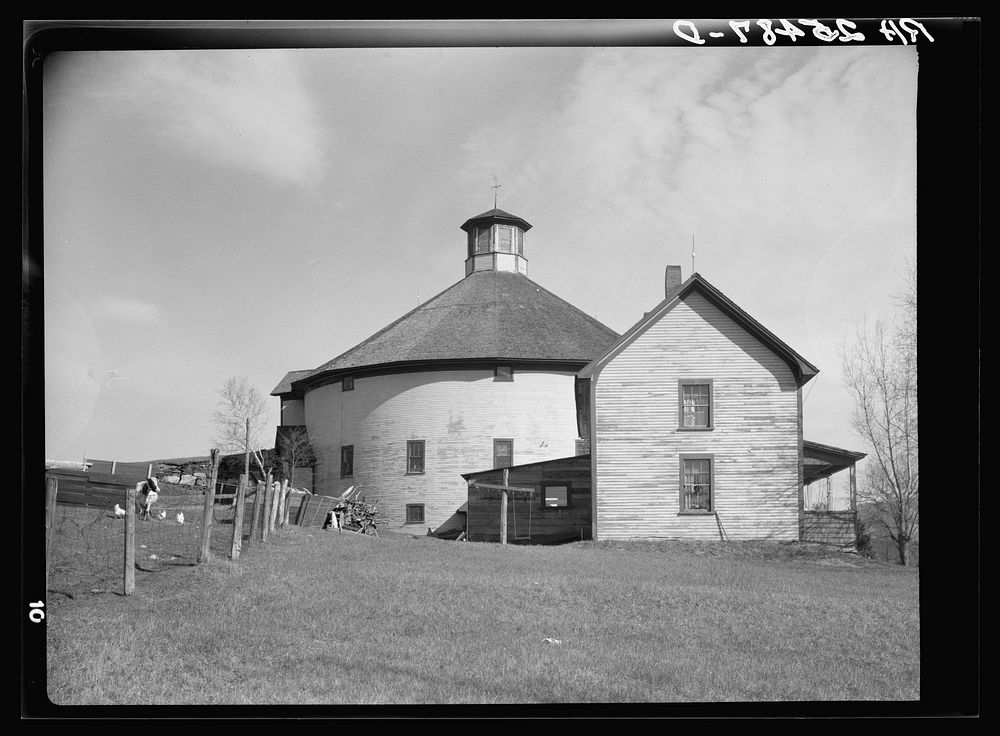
point(496, 186)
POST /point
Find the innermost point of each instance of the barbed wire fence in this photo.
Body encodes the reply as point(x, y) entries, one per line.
point(97, 542)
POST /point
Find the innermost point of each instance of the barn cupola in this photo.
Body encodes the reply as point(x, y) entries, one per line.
point(496, 242)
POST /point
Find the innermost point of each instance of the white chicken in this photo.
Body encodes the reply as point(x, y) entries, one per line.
point(162, 515)
point(180, 517)
point(119, 511)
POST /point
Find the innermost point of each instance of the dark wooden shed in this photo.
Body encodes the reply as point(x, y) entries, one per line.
point(557, 509)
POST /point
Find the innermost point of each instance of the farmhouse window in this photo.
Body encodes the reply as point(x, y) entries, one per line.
point(415, 456)
point(347, 461)
point(555, 496)
point(348, 383)
point(414, 513)
point(503, 453)
point(696, 404)
point(503, 373)
point(697, 484)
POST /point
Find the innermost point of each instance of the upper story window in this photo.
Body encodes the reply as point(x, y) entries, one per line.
point(503, 373)
point(348, 383)
point(415, 456)
point(503, 453)
point(347, 461)
point(697, 484)
point(695, 404)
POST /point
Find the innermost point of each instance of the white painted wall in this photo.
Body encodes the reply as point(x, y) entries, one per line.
point(457, 413)
point(754, 440)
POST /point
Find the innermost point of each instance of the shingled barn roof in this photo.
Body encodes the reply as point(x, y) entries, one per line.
point(285, 384)
point(487, 315)
point(495, 215)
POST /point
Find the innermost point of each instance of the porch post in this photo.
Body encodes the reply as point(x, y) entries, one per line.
point(854, 488)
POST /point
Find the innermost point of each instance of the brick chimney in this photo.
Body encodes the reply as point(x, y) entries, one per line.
point(672, 280)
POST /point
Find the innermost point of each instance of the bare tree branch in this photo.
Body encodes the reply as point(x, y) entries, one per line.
point(240, 402)
point(294, 450)
point(880, 373)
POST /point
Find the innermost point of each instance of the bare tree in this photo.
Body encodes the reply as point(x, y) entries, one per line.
point(241, 420)
point(880, 372)
point(294, 450)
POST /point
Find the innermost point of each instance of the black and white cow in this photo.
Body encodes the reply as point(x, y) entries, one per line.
point(147, 492)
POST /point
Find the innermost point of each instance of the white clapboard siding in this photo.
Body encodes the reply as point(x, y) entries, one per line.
point(457, 413)
point(755, 439)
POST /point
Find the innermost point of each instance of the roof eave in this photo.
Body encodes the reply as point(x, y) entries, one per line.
point(497, 216)
point(802, 369)
point(819, 448)
point(332, 374)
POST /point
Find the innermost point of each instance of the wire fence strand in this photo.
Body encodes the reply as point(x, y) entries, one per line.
point(88, 539)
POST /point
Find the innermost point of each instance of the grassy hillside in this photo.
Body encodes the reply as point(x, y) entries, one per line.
point(883, 549)
point(320, 617)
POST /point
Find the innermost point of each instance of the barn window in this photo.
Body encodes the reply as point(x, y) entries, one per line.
point(415, 456)
point(503, 453)
point(505, 239)
point(555, 496)
point(347, 461)
point(414, 513)
point(695, 404)
point(697, 484)
point(503, 373)
point(483, 239)
point(348, 383)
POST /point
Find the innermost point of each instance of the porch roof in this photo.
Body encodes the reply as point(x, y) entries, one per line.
point(821, 461)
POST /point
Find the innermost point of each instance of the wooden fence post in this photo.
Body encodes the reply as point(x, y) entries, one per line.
point(51, 491)
point(240, 502)
point(266, 511)
point(255, 518)
point(283, 504)
point(129, 583)
point(275, 503)
point(206, 519)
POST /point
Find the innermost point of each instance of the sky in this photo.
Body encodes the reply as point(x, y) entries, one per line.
point(219, 213)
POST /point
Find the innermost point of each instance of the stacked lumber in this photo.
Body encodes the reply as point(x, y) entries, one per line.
point(346, 512)
point(356, 515)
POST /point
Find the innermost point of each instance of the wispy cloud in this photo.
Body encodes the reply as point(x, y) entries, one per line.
point(250, 112)
point(661, 137)
point(132, 311)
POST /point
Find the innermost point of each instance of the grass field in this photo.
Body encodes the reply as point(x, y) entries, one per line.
point(316, 617)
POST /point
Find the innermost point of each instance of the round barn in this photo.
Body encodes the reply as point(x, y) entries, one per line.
point(482, 375)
